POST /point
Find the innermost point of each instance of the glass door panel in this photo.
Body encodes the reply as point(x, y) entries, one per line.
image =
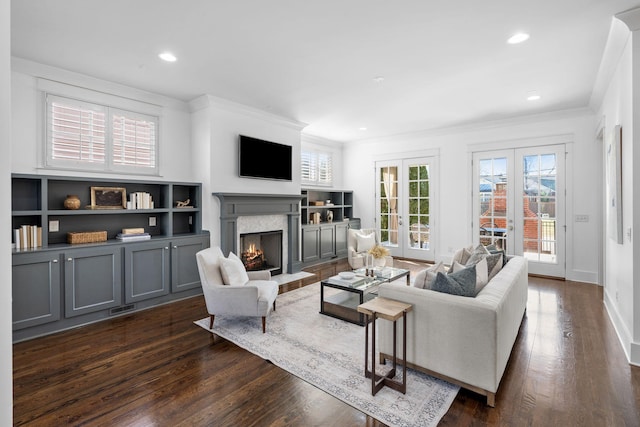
point(388, 205)
point(404, 203)
point(493, 187)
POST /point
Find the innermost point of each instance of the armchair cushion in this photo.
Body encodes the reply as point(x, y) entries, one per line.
point(365, 242)
point(233, 271)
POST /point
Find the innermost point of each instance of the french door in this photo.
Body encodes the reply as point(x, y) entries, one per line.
point(405, 207)
point(519, 204)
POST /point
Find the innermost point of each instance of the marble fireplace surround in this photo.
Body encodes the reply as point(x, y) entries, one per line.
point(236, 205)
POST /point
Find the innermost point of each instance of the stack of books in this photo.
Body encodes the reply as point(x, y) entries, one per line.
point(28, 237)
point(140, 200)
point(132, 235)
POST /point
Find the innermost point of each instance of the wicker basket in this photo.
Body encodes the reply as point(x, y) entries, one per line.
point(86, 237)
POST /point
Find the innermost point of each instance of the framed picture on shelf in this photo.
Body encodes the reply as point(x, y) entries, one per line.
point(108, 198)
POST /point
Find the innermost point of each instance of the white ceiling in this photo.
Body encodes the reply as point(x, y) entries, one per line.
point(444, 63)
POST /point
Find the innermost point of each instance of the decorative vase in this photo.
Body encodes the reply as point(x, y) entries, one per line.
point(379, 262)
point(72, 202)
point(329, 216)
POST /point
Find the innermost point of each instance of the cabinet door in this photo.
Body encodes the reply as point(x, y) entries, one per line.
point(146, 270)
point(92, 280)
point(327, 241)
point(35, 289)
point(184, 270)
point(310, 244)
point(342, 229)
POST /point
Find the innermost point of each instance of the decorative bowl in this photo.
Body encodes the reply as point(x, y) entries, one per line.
point(347, 275)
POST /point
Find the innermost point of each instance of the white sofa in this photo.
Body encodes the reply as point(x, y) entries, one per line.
point(463, 340)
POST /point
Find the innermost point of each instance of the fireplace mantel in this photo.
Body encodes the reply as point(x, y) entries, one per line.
point(234, 205)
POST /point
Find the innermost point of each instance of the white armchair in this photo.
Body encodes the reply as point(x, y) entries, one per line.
point(358, 244)
point(257, 297)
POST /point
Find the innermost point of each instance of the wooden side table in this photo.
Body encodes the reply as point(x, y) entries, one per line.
point(392, 310)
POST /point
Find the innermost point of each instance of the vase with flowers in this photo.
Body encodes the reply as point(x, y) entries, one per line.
point(378, 253)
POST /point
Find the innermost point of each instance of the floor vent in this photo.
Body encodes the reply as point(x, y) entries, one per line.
point(121, 309)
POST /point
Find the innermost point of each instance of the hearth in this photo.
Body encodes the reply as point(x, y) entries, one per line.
point(262, 251)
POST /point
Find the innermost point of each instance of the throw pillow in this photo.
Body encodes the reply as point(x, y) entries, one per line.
point(461, 283)
point(482, 273)
point(425, 278)
point(364, 242)
point(494, 261)
point(462, 255)
point(233, 271)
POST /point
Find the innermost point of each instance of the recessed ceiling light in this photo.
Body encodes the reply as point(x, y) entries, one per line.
point(533, 96)
point(362, 128)
point(378, 79)
point(168, 56)
point(518, 38)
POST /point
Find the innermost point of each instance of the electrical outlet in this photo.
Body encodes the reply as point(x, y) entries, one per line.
point(582, 218)
point(54, 226)
point(152, 221)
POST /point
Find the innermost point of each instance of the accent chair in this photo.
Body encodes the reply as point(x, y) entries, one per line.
point(253, 297)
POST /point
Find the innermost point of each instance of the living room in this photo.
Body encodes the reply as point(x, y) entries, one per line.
point(199, 144)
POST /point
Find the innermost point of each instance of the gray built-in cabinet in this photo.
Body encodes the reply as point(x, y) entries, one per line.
point(59, 285)
point(323, 240)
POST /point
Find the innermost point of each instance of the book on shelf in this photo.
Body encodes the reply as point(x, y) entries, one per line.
point(140, 200)
point(28, 237)
point(137, 230)
point(133, 237)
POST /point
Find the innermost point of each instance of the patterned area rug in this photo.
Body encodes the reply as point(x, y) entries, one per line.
point(329, 353)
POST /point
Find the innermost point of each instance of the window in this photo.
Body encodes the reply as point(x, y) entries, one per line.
point(316, 168)
point(87, 136)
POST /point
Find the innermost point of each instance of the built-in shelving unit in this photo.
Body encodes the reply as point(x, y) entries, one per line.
point(39, 200)
point(319, 201)
point(60, 285)
point(324, 240)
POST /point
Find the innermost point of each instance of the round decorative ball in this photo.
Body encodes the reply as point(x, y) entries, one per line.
point(72, 202)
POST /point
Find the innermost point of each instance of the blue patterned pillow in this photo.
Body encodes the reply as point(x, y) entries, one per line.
point(461, 282)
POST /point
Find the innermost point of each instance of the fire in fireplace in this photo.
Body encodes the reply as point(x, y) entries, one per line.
point(262, 251)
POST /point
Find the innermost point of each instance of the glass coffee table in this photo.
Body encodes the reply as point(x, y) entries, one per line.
point(340, 298)
point(387, 274)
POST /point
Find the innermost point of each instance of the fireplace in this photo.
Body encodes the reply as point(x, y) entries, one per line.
point(262, 251)
point(249, 213)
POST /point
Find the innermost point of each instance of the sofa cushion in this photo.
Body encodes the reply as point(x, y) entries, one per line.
point(462, 255)
point(364, 242)
point(425, 278)
point(494, 261)
point(461, 282)
point(233, 271)
point(482, 273)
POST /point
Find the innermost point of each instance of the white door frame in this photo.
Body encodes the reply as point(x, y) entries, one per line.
point(402, 249)
point(514, 224)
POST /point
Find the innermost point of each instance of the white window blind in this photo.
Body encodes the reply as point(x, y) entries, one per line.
point(134, 141)
point(77, 133)
point(316, 168)
point(87, 136)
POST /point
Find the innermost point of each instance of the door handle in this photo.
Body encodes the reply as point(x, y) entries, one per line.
point(511, 228)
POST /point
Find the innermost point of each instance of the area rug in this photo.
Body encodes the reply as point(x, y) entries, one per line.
point(329, 353)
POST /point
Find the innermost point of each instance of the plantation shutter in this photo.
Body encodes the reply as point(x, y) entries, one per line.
point(76, 132)
point(316, 168)
point(86, 136)
point(308, 167)
point(134, 141)
point(325, 169)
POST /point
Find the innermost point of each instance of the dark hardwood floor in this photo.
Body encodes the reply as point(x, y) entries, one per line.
point(157, 368)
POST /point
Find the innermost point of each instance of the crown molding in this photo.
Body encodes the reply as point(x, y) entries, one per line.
point(211, 101)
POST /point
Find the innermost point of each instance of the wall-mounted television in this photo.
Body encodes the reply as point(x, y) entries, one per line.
point(258, 158)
